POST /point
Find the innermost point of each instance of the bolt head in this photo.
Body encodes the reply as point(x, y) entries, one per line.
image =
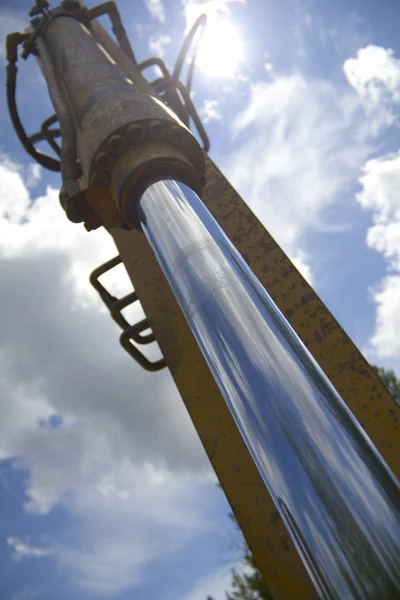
point(177, 135)
point(135, 133)
point(104, 161)
point(99, 179)
point(156, 130)
point(117, 144)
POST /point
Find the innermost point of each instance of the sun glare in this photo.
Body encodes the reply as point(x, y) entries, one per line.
point(221, 49)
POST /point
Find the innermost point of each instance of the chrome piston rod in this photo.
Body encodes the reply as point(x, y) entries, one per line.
point(333, 490)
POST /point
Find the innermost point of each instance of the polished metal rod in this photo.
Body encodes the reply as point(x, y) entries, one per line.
point(333, 490)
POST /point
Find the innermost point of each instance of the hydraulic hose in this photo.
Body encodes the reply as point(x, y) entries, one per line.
point(200, 23)
point(11, 83)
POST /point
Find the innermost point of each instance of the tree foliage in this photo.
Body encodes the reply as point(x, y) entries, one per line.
point(390, 381)
point(250, 584)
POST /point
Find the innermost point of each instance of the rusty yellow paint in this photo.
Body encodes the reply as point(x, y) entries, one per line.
point(337, 355)
point(102, 203)
point(243, 486)
point(340, 359)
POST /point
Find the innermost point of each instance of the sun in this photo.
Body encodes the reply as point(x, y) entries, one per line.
point(221, 49)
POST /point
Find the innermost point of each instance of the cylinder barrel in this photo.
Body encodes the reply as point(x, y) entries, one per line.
point(87, 73)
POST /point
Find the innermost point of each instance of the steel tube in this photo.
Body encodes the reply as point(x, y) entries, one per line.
point(88, 75)
point(69, 167)
point(337, 497)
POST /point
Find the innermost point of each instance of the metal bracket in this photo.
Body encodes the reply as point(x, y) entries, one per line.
point(50, 134)
point(47, 134)
point(130, 332)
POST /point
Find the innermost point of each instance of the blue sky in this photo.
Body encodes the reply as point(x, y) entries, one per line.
point(105, 490)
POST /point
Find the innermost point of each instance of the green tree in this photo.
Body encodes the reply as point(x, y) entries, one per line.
point(390, 380)
point(250, 584)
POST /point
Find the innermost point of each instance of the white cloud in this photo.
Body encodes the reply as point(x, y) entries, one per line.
point(158, 44)
point(300, 145)
point(209, 111)
point(300, 261)
point(380, 194)
point(214, 585)
point(14, 197)
point(374, 71)
point(194, 8)
point(45, 264)
point(385, 342)
point(216, 59)
point(125, 459)
point(156, 8)
point(23, 549)
point(149, 521)
point(33, 175)
point(375, 76)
